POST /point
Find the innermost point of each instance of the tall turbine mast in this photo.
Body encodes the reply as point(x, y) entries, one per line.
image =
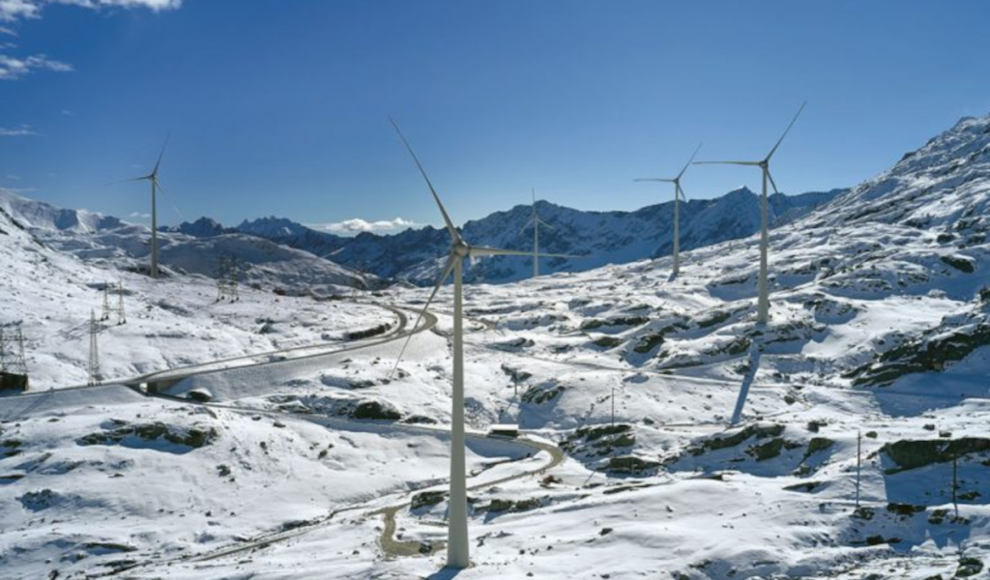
point(458, 549)
point(536, 222)
point(678, 195)
point(763, 304)
point(94, 350)
point(155, 186)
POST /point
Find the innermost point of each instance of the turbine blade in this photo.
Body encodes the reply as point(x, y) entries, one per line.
point(446, 218)
point(483, 251)
point(168, 198)
point(770, 177)
point(726, 163)
point(688, 164)
point(443, 276)
point(654, 179)
point(798, 114)
point(681, 191)
point(146, 177)
point(529, 222)
point(159, 162)
point(546, 225)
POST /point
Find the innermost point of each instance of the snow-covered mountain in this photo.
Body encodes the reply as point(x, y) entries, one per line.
point(614, 237)
point(941, 186)
point(42, 216)
point(111, 243)
point(861, 449)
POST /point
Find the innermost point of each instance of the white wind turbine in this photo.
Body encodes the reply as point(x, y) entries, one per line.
point(536, 222)
point(763, 303)
point(678, 195)
point(457, 533)
point(155, 186)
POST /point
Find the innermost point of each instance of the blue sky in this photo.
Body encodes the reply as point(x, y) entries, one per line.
point(279, 107)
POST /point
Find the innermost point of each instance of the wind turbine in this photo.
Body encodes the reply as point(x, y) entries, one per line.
point(457, 532)
point(536, 222)
point(763, 303)
point(678, 195)
point(155, 186)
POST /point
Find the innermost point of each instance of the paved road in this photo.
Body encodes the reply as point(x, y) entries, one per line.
point(390, 546)
point(394, 548)
point(255, 359)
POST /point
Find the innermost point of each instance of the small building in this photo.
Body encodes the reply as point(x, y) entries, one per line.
point(11, 382)
point(508, 430)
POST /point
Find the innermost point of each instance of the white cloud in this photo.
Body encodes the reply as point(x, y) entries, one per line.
point(18, 132)
point(14, 10)
point(13, 68)
point(139, 215)
point(356, 226)
point(11, 10)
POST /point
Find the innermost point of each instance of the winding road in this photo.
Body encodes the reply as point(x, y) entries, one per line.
point(389, 545)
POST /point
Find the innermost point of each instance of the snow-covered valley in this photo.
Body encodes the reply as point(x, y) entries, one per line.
point(624, 380)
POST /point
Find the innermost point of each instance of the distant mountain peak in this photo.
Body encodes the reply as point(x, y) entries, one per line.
point(38, 214)
point(741, 190)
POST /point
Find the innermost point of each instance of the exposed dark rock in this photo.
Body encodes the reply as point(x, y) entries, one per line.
point(542, 393)
point(725, 441)
point(630, 465)
point(961, 263)
point(376, 410)
point(908, 454)
point(969, 567)
point(904, 509)
point(191, 437)
point(509, 505)
point(426, 499)
point(806, 486)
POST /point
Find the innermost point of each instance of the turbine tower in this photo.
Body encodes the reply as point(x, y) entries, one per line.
point(678, 195)
point(94, 350)
point(458, 548)
point(763, 304)
point(155, 186)
point(536, 222)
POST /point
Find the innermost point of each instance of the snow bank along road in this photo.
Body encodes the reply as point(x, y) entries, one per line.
point(257, 359)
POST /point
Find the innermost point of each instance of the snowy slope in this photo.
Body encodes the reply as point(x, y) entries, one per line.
point(108, 242)
point(176, 320)
point(880, 326)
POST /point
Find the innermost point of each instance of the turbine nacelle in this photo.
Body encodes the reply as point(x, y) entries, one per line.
point(460, 249)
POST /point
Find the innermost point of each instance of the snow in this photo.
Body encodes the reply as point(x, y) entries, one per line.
point(878, 327)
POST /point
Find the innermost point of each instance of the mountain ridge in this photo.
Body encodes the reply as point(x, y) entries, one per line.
point(603, 236)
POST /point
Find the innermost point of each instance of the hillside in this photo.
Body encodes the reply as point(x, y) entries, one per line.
point(693, 442)
point(53, 278)
point(108, 242)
